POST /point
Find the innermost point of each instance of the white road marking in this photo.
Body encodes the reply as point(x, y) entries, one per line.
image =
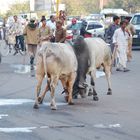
point(3, 115)
point(23, 69)
point(44, 127)
point(107, 126)
point(17, 129)
point(5, 102)
point(30, 129)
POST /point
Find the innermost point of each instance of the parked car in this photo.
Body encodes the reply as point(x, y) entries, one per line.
point(96, 28)
point(69, 35)
point(92, 29)
point(136, 38)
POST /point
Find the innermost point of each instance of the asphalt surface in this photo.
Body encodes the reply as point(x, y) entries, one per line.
point(113, 117)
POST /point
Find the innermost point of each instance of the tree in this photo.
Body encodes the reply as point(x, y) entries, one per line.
point(19, 7)
point(128, 5)
point(81, 7)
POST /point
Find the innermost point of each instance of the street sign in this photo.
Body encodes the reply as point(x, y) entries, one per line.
point(40, 5)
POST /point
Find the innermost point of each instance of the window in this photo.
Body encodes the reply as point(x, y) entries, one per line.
point(94, 26)
point(90, 27)
point(97, 26)
point(136, 20)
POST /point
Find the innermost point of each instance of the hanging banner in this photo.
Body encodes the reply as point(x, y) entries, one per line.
point(32, 5)
point(41, 5)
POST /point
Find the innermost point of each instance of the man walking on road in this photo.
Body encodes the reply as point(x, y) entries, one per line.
point(120, 41)
point(60, 33)
point(44, 32)
point(131, 31)
point(31, 32)
point(110, 31)
point(52, 25)
point(17, 31)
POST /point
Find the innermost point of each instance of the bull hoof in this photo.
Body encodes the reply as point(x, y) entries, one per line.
point(53, 107)
point(40, 100)
point(109, 92)
point(75, 96)
point(90, 93)
point(66, 98)
point(71, 103)
point(95, 98)
point(36, 106)
point(83, 95)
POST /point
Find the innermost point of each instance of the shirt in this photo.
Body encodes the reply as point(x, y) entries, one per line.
point(110, 31)
point(52, 25)
point(60, 35)
point(16, 28)
point(75, 29)
point(44, 33)
point(120, 37)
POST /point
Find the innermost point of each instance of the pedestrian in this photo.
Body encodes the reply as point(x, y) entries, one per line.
point(52, 24)
point(31, 33)
point(45, 33)
point(83, 28)
point(60, 33)
point(17, 31)
point(75, 28)
point(131, 31)
point(120, 40)
point(62, 16)
point(110, 31)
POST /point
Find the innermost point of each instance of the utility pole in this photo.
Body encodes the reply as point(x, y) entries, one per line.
point(101, 4)
point(57, 7)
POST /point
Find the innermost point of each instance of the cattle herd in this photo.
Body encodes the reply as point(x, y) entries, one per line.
point(70, 64)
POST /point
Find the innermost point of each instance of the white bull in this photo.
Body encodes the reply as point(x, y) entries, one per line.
point(56, 61)
point(99, 55)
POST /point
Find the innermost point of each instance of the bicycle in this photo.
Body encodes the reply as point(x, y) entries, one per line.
point(18, 48)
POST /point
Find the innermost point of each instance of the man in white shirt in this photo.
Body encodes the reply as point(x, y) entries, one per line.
point(51, 23)
point(17, 31)
point(120, 40)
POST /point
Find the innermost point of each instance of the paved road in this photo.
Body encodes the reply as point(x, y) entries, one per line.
point(115, 117)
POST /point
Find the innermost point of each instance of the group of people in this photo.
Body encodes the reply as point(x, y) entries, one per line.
point(34, 34)
point(119, 36)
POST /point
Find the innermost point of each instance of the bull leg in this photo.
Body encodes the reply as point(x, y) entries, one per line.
point(108, 73)
point(47, 88)
point(53, 83)
point(40, 73)
point(64, 84)
point(75, 89)
point(70, 84)
point(64, 81)
point(93, 91)
point(38, 89)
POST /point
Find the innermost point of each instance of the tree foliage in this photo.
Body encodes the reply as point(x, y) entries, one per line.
point(18, 8)
point(128, 5)
point(81, 7)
